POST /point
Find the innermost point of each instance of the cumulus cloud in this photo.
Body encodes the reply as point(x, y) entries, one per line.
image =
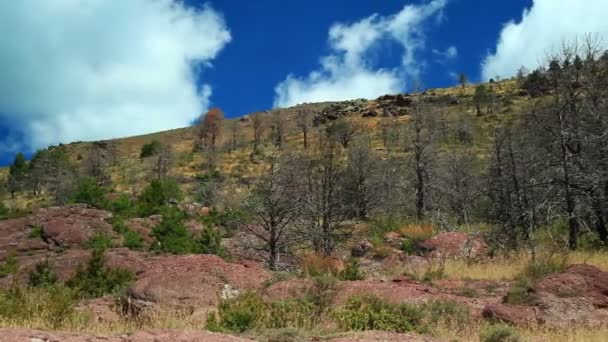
point(348, 71)
point(541, 31)
point(96, 69)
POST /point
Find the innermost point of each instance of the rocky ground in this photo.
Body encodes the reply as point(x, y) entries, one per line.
point(577, 296)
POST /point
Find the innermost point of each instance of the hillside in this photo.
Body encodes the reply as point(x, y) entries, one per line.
point(412, 217)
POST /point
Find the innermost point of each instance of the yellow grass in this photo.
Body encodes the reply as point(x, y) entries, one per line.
point(538, 334)
point(420, 231)
point(509, 266)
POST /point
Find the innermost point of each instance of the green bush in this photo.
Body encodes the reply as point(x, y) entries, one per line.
point(97, 280)
point(157, 195)
point(51, 306)
point(351, 271)
point(521, 293)
point(123, 207)
point(171, 234)
point(210, 242)
point(499, 333)
point(9, 266)
point(4, 211)
point(150, 149)
point(36, 233)
point(132, 240)
point(372, 313)
point(99, 241)
point(42, 275)
point(89, 192)
point(249, 311)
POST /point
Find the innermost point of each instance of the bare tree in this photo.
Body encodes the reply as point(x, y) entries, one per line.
point(209, 134)
point(342, 132)
point(304, 121)
point(274, 204)
point(278, 128)
point(361, 179)
point(164, 160)
point(257, 125)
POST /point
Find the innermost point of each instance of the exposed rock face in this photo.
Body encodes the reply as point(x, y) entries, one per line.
point(455, 244)
point(72, 225)
point(15, 238)
point(66, 263)
point(29, 335)
point(144, 226)
point(577, 296)
point(192, 281)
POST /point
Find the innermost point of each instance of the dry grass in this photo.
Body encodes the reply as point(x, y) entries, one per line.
point(472, 332)
point(507, 267)
point(418, 232)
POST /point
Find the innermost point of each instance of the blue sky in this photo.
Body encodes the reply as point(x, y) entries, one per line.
point(115, 68)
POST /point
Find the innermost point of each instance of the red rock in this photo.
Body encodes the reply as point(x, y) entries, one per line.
point(29, 335)
point(455, 244)
point(192, 281)
point(516, 314)
point(72, 225)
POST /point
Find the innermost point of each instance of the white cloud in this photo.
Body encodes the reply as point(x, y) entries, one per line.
point(96, 69)
point(444, 56)
point(348, 72)
point(541, 31)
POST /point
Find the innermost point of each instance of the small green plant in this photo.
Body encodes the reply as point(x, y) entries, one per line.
point(123, 207)
point(37, 232)
point(132, 240)
point(150, 149)
point(157, 195)
point(97, 280)
point(237, 315)
point(521, 293)
point(210, 242)
point(4, 211)
point(351, 271)
point(499, 333)
point(408, 247)
point(372, 313)
point(171, 234)
point(99, 241)
point(9, 266)
point(89, 192)
point(42, 275)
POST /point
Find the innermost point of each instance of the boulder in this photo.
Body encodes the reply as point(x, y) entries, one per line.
point(72, 225)
point(455, 244)
point(577, 296)
point(361, 249)
point(192, 281)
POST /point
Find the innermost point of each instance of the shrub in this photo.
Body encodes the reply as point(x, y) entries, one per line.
point(36, 233)
point(99, 241)
point(248, 311)
point(237, 315)
point(123, 207)
point(4, 211)
point(51, 306)
point(42, 275)
point(380, 226)
point(132, 240)
point(9, 266)
point(156, 195)
point(351, 271)
point(545, 264)
point(210, 242)
point(409, 247)
point(521, 293)
point(97, 280)
point(89, 192)
point(150, 149)
point(372, 313)
point(171, 235)
point(499, 333)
